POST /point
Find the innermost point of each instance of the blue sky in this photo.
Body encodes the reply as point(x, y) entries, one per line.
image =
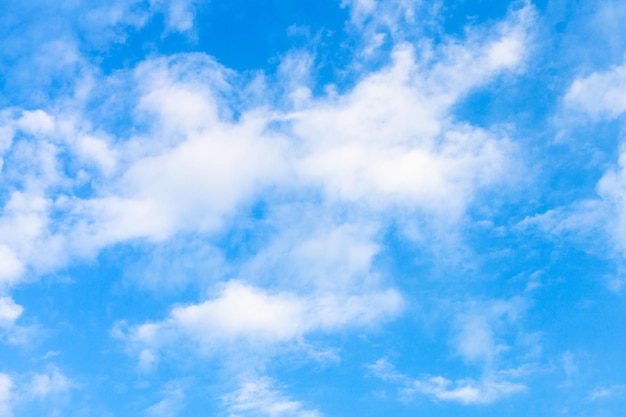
point(312, 209)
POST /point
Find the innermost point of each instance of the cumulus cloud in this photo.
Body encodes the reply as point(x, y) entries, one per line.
point(241, 313)
point(388, 142)
point(9, 312)
point(12, 267)
point(601, 94)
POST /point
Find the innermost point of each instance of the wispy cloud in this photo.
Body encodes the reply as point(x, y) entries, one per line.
point(260, 397)
point(486, 390)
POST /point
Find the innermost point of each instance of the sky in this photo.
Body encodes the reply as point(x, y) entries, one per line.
point(312, 209)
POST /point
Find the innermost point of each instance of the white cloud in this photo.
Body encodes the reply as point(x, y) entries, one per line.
point(98, 151)
point(316, 255)
point(389, 142)
point(12, 267)
point(259, 397)
point(244, 313)
point(36, 122)
point(9, 311)
point(467, 391)
point(601, 94)
point(47, 384)
point(391, 139)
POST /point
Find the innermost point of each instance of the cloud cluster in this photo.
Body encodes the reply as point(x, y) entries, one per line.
point(24, 389)
point(332, 169)
point(599, 97)
point(388, 142)
point(483, 334)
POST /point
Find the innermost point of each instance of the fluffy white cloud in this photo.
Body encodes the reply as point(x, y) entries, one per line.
point(389, 142)
point(9, 312)
point(201, 153)
point(12, 267)
point(244, 313)
point(601, 94)
point(259, 397)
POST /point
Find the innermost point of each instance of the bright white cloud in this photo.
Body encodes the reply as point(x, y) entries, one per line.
point(9, 312)
point(388, 142)
point(35, 122)
point(244, 313)
point(12, 267)
point(601, 94)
